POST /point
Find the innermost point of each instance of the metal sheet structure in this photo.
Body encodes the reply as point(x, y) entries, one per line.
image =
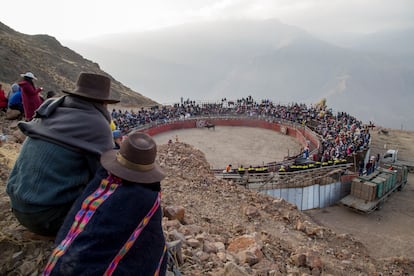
point(310, 197)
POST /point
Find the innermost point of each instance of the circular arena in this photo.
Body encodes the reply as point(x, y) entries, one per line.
point(322, 136)
point(313, 170)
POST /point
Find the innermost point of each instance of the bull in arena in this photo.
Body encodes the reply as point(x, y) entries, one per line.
point(209, 125)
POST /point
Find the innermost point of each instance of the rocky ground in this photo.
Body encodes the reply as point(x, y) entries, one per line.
point(223, 229)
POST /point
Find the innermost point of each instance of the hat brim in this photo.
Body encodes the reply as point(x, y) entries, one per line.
point(24, 75)
point(111, 164)
point(109, 101)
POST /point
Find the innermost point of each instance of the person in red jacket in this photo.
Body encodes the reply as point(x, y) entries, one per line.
point(30, 95)
point(3, 99)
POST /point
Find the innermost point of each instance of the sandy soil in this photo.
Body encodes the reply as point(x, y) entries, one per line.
point(235, 145)
point(386, 232)
point(389, 231)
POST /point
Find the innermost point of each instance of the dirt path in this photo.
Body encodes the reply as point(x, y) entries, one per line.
point(386, 233)
point(403, 141)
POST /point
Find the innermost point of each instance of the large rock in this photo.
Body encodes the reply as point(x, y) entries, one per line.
point(246, 248)
point(175, 212)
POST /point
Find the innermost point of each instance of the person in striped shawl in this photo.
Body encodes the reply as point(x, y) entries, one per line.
point(115, 228)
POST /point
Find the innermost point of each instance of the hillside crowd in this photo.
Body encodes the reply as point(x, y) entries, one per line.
point(341, 134)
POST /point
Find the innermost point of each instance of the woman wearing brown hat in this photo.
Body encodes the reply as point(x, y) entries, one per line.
point(115, 226)
point(60, 154)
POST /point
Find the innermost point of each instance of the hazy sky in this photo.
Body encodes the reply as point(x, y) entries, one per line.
point(78, 19)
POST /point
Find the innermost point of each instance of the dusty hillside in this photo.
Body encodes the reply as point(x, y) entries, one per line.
point(401, 140)
point(56, 66)
point(224, 229)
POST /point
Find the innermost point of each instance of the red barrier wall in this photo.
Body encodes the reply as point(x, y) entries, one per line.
point(170, 126)
point(299, 133)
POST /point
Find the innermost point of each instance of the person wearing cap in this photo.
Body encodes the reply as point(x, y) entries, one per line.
point(115, 226)
point(117, 135)
point(30, 95)
point(60, 154)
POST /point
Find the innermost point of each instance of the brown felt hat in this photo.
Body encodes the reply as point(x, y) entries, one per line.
point(135, 160)
point(94, 87)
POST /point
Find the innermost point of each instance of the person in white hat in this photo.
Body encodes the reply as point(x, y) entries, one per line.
point(30, 95)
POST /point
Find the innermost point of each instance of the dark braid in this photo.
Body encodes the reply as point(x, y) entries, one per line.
point(29, 80)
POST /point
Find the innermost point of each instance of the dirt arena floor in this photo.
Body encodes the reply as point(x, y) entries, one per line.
point(235, 145)
point(387, 232)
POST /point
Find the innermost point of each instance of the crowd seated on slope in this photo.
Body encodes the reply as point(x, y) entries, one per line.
point(341, 134)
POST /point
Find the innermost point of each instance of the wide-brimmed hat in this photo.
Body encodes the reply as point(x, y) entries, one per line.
point(135, 160)
point(28, 75)
point(93, 87)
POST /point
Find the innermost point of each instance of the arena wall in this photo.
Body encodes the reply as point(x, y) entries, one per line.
point(301, 133)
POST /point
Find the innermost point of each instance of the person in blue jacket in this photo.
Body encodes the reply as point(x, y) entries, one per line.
point(15, 98)
point(117, 135)
point(114, 228)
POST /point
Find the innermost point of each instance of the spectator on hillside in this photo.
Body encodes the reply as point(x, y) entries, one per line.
point(121, 231)
point(15, 108)
point(60, 154)
point(14, 87)
point(3, 99)
point(30, 95)
point(15, 98)
point(112, 125)
point(117, 136)
point(50, 94)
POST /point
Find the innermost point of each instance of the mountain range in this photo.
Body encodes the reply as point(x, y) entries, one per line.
point(373, 79)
